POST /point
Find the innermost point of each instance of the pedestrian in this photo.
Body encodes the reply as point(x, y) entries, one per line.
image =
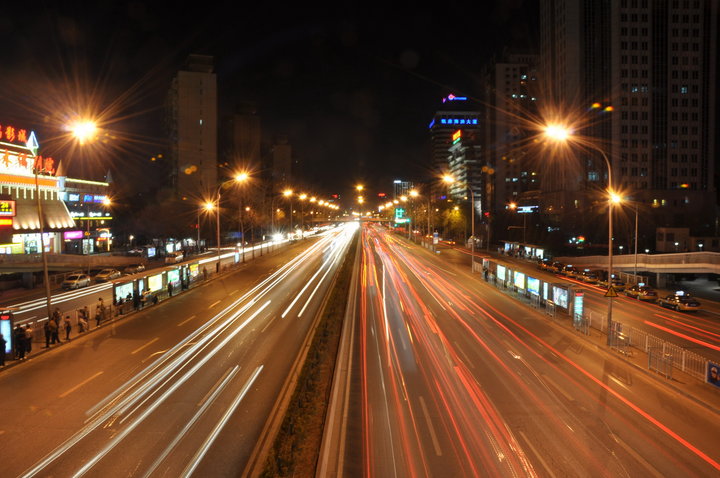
point(54, 330)
point(68, 327)
point(169, 288)
point(99, 312)
point(19, 339)
point(3, 344)
point(56, 315)
point(82, 323)
point(48, 333)
point(28, 338)
point(86, 316)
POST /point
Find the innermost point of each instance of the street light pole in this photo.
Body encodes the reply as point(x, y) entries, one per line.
point(46, 278)
point(217, 223)
point(562, 134)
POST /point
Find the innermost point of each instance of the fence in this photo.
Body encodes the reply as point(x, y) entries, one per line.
point(624, 338)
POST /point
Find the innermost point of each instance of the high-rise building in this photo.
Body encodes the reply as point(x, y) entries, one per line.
point(401, 188)
point(281, 164)
point(510, 95)
point(457, 114)
point(243, 139)
point(649, 70)
point(192, 102)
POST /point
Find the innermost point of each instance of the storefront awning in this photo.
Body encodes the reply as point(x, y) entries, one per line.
point(55, 213)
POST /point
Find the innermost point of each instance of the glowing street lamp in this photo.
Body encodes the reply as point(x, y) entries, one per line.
point(561, 134)
point(83, 130)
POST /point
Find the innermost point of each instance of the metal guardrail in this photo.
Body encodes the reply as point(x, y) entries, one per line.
point(626, 337)
point(680, 261)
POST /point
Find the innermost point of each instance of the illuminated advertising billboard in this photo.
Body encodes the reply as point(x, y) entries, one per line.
point(155, 282)
point(6, 331)
point(519, 280)
point(501, 272)
point(560, 296)
point(533, 285)
point(194, 270)
point(173, 276)
point(122, 291)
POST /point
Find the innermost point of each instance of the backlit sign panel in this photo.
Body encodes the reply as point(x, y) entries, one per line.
point(7, 208)
point(519, 280)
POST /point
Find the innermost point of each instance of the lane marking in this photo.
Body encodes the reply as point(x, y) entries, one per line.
point(433, 436)
point(233, 292)
point(65, 394)
point(537, 454)
point(462, 352)
point(186, 321)
point(653, 471)
point(143, 346)
point(213, 304)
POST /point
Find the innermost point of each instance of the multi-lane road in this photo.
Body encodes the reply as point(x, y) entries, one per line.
point(453, 378)
point(183, 388)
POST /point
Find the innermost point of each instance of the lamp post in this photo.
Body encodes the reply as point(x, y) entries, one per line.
point(239, 178)
point(561, 134)
point(450, 180)
point(288, 194)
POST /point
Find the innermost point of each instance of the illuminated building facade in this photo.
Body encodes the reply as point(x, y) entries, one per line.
point(456, 114)
point(90, 207)
point(20, 188)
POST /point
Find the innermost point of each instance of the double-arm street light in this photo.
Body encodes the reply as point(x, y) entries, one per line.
point(238, 179)
point(451, 180)
point(561, 134)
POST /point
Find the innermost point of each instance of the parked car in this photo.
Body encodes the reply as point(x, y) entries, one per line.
point(173, 257)
point(642, 292)
point(591, 277)
point(618, 285)
point(107, 274)
point(134, 268)
point(680, 301)
point(76, 281)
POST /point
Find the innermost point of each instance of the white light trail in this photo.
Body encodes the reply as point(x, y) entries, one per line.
point(218, 428)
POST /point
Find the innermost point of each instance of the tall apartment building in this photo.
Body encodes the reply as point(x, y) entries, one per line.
point(192, 102)
point(242, 141)
point(281, 164)
point(510, 95)
point(402, 188)
point(654, 64)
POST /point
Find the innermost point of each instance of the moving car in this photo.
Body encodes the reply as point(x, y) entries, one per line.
point(642, 292)
point(134, 268)
point(556, 267)
point(680, 301)
point(107, 274)
point(76, 281)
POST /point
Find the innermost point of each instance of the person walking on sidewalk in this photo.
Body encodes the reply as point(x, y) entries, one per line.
point(19, 337)
point(86, 316)
point(68, 327)
point(54, 330)
point(28, 338)
point(82, 322)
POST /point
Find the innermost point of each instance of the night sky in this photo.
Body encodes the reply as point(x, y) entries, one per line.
point(353, 86)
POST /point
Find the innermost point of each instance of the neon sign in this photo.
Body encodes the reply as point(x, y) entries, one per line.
point(456, 136)
point(14, 135)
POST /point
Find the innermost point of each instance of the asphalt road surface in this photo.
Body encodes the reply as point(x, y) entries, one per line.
point(183, 388)
point(454, 378)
